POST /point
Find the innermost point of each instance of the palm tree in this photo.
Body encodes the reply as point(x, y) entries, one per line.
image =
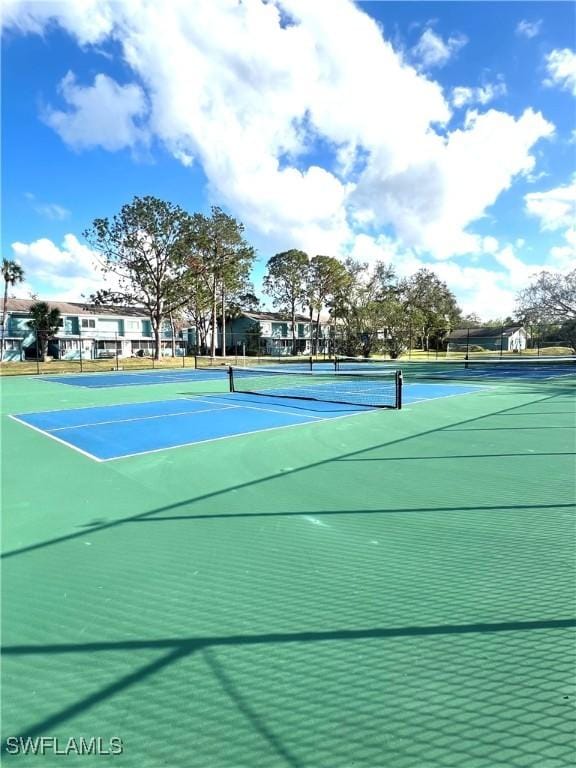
point(12, 273)
point(45, 323)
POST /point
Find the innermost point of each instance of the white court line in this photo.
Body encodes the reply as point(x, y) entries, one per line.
point(409, 383)
point(142, 418)
point(271, 410)
point(239, 434)
point(316, 419)
point(406, 401)
point(57, 439)
point(105, 405)
point(166, 379)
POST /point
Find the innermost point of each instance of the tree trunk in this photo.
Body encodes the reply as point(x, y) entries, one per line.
point(157, 339)
point(214, 326)
point(43, 344)
point(201, 336)
point(173, 331)
point(223, 322)
point(4, 319)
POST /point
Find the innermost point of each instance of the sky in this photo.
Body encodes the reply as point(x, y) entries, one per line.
point(422, 134)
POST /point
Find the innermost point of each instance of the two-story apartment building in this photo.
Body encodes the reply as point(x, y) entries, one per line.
point(270, 333)
point(90, 332)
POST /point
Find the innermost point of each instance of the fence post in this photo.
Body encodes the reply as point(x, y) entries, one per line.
point(399, 389)
point(501, 341)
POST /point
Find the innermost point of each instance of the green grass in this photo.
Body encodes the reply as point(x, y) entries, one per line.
point(394, 589)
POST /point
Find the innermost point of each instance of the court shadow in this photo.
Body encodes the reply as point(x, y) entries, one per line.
point(251, 483)
point(179, 648)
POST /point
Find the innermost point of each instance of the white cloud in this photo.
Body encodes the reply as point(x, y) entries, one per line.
point(104, 114)
point(463, 96)
point(232, 87)
point(489, 292)
point(528, 29)
point(561, 67)
point(448, 184)
point(90, 20)
point(431, 51)
point(66, 272)
point(52, 211)
point(555, 208)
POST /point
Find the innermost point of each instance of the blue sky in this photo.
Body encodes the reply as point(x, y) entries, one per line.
point(422, 134)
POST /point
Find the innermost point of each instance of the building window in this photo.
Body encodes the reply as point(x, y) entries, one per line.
point(88, 323)
point(279, 330)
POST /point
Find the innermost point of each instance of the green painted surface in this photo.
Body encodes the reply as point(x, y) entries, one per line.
point(392, 589)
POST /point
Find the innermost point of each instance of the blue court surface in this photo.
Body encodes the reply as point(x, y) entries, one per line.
point(117, 431)
point(137, 378)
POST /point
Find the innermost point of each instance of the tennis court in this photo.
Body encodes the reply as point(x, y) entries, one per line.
point(367, 587)
point(136, 378)
point(116, 431)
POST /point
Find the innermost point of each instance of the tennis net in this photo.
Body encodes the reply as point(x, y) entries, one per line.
point(303, 363)
point(535, 368)
point(363, 364)
point(371, 391)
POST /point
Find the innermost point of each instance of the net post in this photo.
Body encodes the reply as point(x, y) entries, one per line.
point(399, 382)
point(231, 378)
point(311, 363)
point(195, 360)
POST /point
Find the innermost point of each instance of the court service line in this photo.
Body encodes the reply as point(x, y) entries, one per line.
point(173, 399)
point(283, 413)
point(237, 434)
point(407, 400)
point(143, 418)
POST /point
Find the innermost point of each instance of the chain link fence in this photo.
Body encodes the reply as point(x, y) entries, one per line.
point(85, 353)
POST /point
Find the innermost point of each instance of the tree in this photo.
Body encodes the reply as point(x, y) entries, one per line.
point(285, 282)
point(567, 333)
point(471, 320)
point(326, 279)
point(254, 339)
point(198, 310)
point(551, 297)
point(12, 274)
point(145, 247)
point(45, 322)
point(243, 300)
point(220, 259)
point(362, 305)
point(430, 303)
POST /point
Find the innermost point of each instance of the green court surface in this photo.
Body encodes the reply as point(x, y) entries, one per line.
point(390, 590)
